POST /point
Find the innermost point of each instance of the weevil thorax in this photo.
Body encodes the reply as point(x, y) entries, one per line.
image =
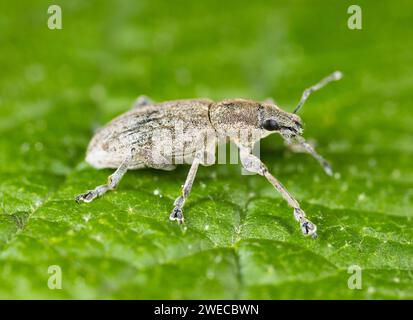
point(253, 120)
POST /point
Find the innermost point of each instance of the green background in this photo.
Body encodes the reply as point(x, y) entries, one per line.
point(240, 239)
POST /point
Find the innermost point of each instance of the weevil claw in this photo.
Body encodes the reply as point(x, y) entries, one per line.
point(309, 229)
point(177, 214)
point(327, 168)
point(85, 197)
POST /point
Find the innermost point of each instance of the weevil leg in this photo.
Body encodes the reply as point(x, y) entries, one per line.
point(113, 181)
point(176, 213)
point(141, 101)
point(300, 144)
point(296, 147)
point(335, 76)
point(251, 163)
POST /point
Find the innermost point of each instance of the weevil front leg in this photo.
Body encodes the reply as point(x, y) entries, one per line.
point(251, 163)
point(113, 181)
point(308, 148)
point(177, 213)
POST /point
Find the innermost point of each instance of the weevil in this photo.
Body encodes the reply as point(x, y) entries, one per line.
point(128, 143)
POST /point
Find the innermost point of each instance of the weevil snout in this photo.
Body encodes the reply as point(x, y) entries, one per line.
point(287, 124)
point(293, 126)
point(296, 126)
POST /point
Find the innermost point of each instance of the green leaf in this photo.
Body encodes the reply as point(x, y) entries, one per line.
point(240, 239)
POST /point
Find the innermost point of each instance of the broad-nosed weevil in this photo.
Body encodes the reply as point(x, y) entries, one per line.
point(162, 135)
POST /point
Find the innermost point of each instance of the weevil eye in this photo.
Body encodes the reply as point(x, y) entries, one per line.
point(270, 125)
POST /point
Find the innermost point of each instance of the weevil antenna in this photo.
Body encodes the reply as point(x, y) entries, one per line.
point(335, 76)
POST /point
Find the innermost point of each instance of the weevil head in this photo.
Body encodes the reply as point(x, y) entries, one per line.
point(274, 119)
point(261, 118)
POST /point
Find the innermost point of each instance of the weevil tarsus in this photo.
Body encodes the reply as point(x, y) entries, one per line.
point(253, 164)
point(113, 181)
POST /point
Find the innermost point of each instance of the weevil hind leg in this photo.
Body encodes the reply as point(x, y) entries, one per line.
point(113, 181)
point(253, 164)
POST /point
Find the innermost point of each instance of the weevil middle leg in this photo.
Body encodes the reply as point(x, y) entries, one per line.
point(113, 181)
point(177, 213)
point(254, 164)
point(204, 156)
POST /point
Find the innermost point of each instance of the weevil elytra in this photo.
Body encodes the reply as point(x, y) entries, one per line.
point(128, 142)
